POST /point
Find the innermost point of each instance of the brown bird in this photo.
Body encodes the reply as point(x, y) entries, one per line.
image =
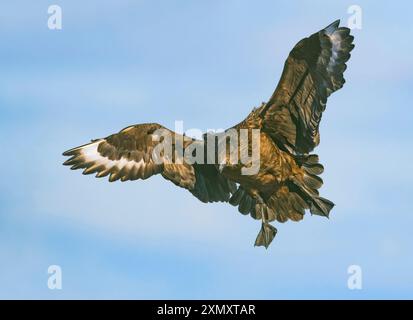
point(286, 181)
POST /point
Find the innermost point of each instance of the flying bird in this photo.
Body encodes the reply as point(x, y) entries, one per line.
point(287, 181)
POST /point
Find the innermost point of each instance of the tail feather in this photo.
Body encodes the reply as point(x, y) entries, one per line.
point(311, 183)
point(245, 203)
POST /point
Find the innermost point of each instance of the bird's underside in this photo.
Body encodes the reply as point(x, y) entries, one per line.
point(286, 181)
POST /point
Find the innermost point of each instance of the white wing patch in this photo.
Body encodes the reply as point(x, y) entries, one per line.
point(334, 55)
point(91, 154)
point(88, 157)
point(335, 39)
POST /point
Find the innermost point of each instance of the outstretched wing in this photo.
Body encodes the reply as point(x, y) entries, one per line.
point(313, 70)
point(128, 155)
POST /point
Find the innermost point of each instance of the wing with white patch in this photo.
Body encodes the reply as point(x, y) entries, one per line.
point(313, 70)
point(129, 155)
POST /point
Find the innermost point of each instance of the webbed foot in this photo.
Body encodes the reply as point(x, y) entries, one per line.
point(266, 235)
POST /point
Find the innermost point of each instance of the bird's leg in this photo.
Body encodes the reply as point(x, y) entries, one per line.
point(261, 207)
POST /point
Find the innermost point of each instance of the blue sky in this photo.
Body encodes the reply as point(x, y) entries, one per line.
point(117, 63)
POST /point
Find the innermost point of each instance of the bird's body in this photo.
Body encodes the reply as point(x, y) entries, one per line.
point(286, 181)
point(279, 165)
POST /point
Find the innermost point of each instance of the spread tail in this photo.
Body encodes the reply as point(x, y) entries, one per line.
point(308, 187)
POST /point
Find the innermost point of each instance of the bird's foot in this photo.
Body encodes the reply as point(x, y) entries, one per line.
point(266, 235)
